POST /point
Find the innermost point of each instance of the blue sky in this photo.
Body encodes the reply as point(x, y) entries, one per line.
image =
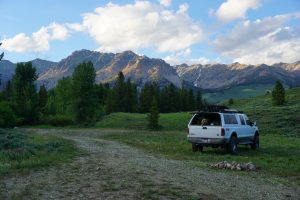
point(195, 31)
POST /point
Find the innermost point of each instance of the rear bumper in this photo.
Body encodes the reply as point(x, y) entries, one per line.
point(206, 141)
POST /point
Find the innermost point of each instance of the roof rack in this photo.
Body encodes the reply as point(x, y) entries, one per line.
point(213, 108)
point(218, 108)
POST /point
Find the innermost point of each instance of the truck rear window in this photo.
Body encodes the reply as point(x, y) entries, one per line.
point(206, 119)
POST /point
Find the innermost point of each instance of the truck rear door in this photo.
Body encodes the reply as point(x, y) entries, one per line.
point(205, 125)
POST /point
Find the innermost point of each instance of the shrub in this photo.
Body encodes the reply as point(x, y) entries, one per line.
point(59, 120)
point(278, 94)
point(230, 101)
point(7, 117)
point(153, 116)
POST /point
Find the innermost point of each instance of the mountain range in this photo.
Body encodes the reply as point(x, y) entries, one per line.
point(142, 69)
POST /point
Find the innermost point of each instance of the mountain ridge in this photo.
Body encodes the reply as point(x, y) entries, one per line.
point(142, 69)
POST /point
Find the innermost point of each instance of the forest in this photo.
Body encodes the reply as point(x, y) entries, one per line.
point(79, 100)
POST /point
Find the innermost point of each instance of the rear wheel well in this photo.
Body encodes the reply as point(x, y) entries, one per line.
point(256, 133)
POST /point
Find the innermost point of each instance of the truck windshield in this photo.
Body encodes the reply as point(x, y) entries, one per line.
point(206, 119)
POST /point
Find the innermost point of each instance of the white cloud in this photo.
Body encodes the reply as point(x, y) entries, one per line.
point(183, 8)
point(268, 41)
point(75, 27)
point(58, 31)
point(141, 25)
point(235, 9)
point(121, 27)
point(165, 2)
point(185, 57)
point(38, 41)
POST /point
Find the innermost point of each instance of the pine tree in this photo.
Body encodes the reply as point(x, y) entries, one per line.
point(24, 98)
point(145, 98)
point(63, 97)
point(84, 93)
point(51, 106)
point(191, 100)
point(153, 116)
point(278, 94)
point(120, 93)
point(42, 98)
point(230, 101)
point(8, 91)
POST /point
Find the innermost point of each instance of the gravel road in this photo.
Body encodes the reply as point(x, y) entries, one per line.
point(110, 170)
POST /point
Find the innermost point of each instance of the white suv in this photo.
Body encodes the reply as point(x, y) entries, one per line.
point(222, 127)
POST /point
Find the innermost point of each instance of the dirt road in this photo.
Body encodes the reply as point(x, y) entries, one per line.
point(110, 170)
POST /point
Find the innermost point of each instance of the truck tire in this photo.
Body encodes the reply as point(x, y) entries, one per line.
point(232, 146)
point(197, 147)
point(194, 147)
point(200, 148)
point(255, 143)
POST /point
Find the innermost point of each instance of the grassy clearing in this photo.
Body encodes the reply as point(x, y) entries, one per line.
point(270, 119)
point(278, 156)
point(274, 119)
point(21, 151)
point(238, 92)
point(137, 121)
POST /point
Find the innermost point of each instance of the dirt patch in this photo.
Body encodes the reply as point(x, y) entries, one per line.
point(110, 170)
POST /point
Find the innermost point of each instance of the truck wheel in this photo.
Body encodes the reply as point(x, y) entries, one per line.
point(255, 144)
point(232, 146)
point(200, 148)
point(194, 147)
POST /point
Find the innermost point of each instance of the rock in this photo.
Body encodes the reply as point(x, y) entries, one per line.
point(228, 166)
point(235, 166)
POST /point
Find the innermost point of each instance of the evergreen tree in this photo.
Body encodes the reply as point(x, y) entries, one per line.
point(24, 98)
point(110, 103)
point(83, 93)
point(153, 116)
point(51, 106)
point(191, 100)
point(145, 98)
point(63, 97)
point(183, 99)
point(120, 93)
point(42, 98)
point(199, 101)
point(278, 94)
point(230, 101)
point(130, 97)
point(8, 91)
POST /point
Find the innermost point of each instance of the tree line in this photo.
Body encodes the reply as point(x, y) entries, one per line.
point(78, 99)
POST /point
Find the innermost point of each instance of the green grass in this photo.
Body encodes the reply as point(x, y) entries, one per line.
point(278, 155)
point(274, 119)
point(284, 120)
point(137, 121)
point(22, 151)
point(238, 92)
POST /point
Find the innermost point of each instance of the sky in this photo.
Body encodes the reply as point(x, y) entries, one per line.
point(178, 31)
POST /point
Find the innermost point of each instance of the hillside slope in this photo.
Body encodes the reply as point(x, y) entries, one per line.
point(274, 119)
point(270, 119)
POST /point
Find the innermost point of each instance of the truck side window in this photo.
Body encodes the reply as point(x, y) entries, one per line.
point(242, 119)
point(230, 119)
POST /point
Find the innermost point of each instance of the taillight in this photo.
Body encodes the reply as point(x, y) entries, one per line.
point(222, 132)
point(187, 131)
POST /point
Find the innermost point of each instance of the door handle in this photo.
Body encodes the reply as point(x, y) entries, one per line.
point(204, 128)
